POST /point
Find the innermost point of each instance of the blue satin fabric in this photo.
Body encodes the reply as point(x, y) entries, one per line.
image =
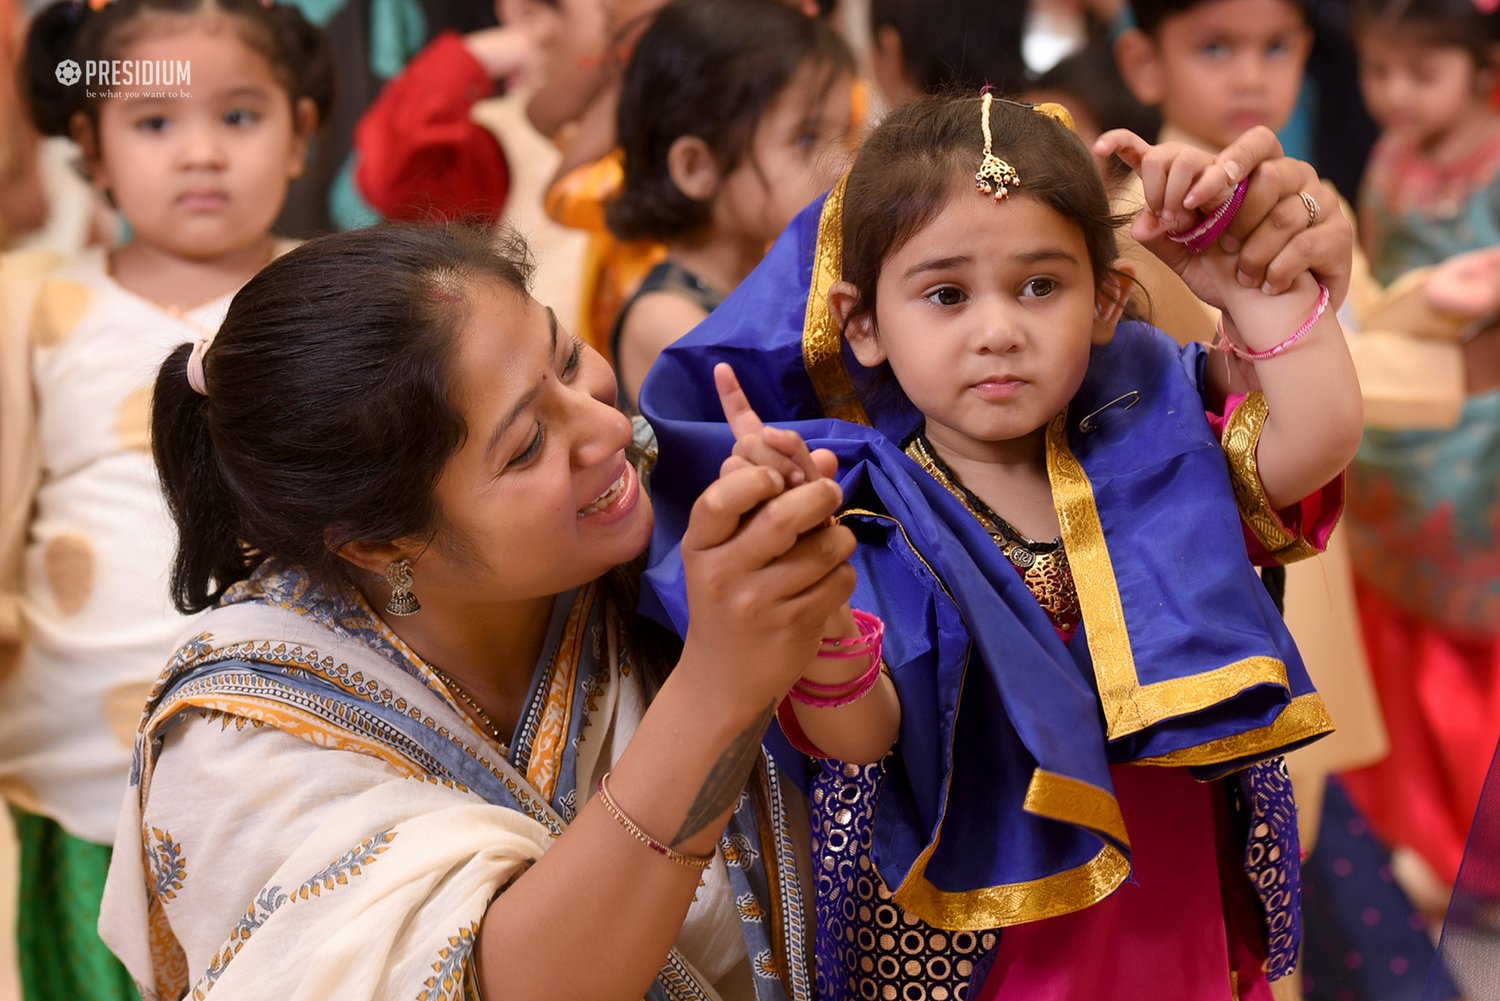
point(989, 692)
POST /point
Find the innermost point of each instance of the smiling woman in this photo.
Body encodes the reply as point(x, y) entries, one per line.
point(405, 495)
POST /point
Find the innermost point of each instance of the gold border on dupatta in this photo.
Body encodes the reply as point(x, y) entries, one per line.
point(1074, 801)
point(822, 340)
point(1129, 706)
point(1304, 717)
point(1241, 436)
point(1012, 903)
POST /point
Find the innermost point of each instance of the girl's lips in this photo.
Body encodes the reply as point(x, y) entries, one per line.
point(203, 200)
point(616, 502)
point(998, 389)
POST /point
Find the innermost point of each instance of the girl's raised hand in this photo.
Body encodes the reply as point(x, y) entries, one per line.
point(1274, 235)
point(757, 444)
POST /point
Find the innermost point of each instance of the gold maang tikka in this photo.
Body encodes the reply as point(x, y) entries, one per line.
point(995, 176)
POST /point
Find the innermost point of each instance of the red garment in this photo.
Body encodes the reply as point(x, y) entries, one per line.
point(1441, 695)
point(421, 155)
point(1185, 925)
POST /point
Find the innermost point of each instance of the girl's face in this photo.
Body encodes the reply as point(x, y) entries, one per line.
point(539, 498)
point(986, 317)
point(799, 147)
point(1417, 90)
point(201, 175)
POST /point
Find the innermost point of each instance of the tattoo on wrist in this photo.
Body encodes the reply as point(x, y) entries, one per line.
point(726, 780)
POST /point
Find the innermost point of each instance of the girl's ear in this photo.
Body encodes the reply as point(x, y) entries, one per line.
point(888, 62)
point(1110, 300)
point(859, 331)
point(693, 168)
point(86, 136)
point(1140, 66)
point(304, 124)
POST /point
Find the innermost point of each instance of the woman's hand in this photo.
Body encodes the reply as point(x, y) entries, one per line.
point(765, 568)
point(1272, 237)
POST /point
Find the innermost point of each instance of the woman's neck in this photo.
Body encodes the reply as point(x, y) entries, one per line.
point(721, 261)
point(178, 283)
point(490, 651)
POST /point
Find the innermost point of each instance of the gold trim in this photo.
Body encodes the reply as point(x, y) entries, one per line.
point(1239, 440)
point(1013, 903)
point(1304, 718)
point(822, 340)
point(1129, 706)
point(1073, 801)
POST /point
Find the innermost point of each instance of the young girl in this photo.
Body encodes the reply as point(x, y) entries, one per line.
point(1422, 502)
point(1427, 69)
point(733, 116)
point(1056, 548)
point(199, 175)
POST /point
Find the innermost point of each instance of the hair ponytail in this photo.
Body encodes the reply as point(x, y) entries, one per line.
point(210, 554)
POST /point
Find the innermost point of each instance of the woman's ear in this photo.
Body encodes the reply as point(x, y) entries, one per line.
point(1140, 67)
point(1110, 300)
point(693, 168)
point(371, 557)
point(859, 330)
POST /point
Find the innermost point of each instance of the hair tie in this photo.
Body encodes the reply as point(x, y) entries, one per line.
point(195, 366)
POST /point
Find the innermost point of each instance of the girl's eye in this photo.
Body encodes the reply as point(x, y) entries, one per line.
point(155, 123)
point(1039, 288)
point(946, 296)
point(531, 450)
point(1215, 50)
point(239, 116)
point(1280, 47)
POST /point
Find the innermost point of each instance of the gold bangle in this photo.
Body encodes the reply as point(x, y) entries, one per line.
point(698, 862)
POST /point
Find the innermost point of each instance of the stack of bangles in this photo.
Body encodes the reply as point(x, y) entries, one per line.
point(1206, 233)
point(866, 645)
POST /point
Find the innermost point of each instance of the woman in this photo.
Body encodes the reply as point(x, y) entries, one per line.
point(371, 772)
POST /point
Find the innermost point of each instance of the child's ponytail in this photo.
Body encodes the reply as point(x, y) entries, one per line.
point(210, 552)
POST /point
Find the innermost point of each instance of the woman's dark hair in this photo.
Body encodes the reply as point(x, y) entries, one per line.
point(951, 46)
point(70, 30)
point(926, 153)
point(328, 417)
point(706, 68)
point(1149, 14)
point(1457, 23)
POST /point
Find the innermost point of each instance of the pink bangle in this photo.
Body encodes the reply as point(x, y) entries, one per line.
point(1223, 343)
point(1202, 236)
point(871, 630)
point(843, 695)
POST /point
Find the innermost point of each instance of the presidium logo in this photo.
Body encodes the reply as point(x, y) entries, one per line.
point(102, 77)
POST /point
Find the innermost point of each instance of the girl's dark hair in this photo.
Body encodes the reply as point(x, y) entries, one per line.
point(299, 53)
point(926, 153)
point(1458, 23)
point(706, 68)
point(1149, 14)
point(329, 415)
point(957, 45)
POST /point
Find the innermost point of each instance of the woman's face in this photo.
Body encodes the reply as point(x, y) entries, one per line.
point(539, 497)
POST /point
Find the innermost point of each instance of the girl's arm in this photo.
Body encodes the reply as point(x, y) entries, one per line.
point(764, 573)
point(844, 705)
point(1299, 360)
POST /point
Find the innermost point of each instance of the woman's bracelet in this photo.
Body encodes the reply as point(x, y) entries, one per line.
point(698, 862)
point(1223, 343)
point(1202, 236)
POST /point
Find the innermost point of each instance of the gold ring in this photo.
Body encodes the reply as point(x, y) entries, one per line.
point(1314, 210)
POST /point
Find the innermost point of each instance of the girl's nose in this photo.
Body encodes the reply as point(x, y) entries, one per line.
point(998, 333)
point(202, 147)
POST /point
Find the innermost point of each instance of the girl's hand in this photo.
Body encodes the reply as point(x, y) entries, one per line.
point(765, 572)
point(1271, 234)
